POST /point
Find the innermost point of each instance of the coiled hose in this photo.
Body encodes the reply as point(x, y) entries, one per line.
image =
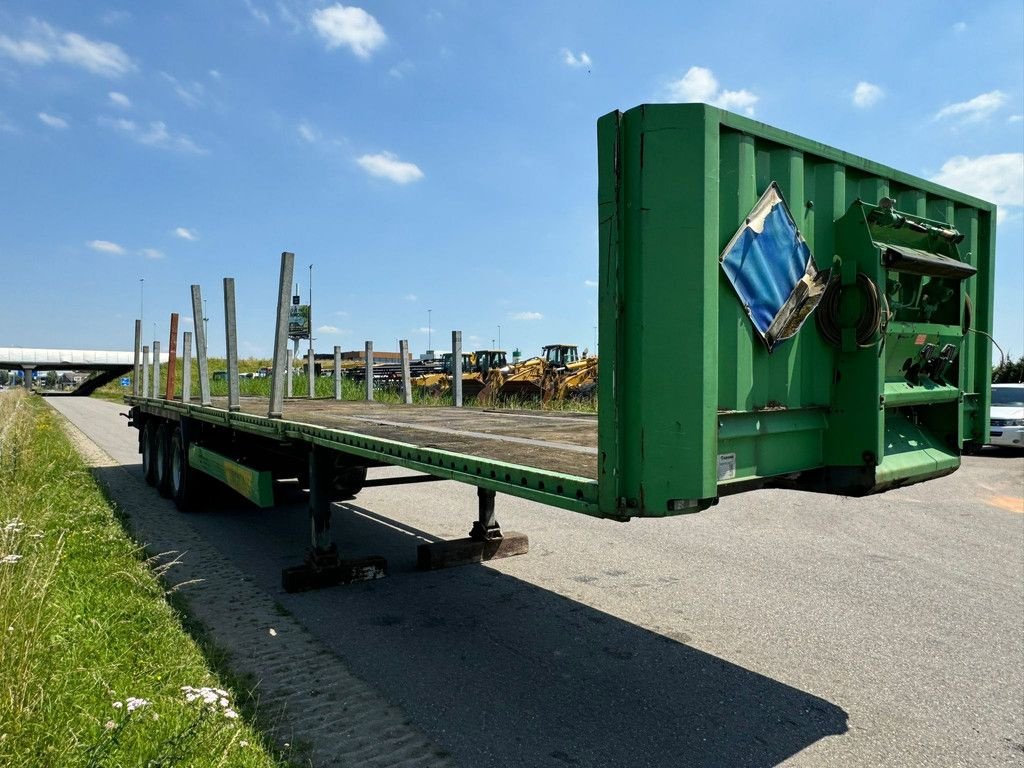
point(872, 318)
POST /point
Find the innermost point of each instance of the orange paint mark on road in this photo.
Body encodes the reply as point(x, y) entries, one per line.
point(1009, 503)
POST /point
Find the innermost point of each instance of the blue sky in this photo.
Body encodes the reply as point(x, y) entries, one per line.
point(433, 156)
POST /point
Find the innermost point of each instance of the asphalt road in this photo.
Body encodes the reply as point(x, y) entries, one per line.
point(777, 627)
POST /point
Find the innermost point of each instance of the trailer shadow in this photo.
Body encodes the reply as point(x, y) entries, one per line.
point(502, 672)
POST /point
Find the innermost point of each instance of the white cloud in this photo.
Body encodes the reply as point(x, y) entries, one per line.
point(386, 165)
point(53, 121)
point(526, 315)
point(119, 99)
point(699, 84)
point(410, 297)
point(1015, 118)
point(349, 26)
point(590, 283)
point(105, 246)
point(867, 95)
point(191, 94)
point(45, 44)
point(25, 51)
point(155, 135)
point(151, 253)
point(960, 26)
point(257, 13)
point(186, 234)
point(998, 179)
point(215, 74)
point(333, 329)
point(974, 110)
point(401, 69)
point(308, 133)
point(6, 125)
point(577, 62)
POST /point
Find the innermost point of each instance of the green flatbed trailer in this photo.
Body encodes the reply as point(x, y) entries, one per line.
point(882, 378)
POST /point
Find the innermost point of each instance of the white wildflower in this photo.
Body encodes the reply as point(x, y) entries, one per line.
point(118, 704)
point(134, 703)
point(230, 714)
point(110, 725)
point(223, 702)
point(14, 526)
point(9, 559)
point(243, 743)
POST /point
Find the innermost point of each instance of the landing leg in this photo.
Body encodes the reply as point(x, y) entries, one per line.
point(323, 567)
point(485, 542)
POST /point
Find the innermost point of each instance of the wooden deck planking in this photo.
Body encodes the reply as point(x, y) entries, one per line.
point(555, 442)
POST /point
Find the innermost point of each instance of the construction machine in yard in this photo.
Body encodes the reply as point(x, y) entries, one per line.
point(489, 371)
point(556, 373)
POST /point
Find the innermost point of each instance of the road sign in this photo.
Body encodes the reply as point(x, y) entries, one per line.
point(126, 382)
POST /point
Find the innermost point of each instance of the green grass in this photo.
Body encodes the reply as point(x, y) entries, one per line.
point(87, 630)
point(350, 390)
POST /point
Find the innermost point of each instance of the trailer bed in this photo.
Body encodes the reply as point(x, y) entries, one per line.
point(554, 442)
point(544, 456)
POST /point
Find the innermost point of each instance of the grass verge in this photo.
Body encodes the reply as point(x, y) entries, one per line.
point(95, 667)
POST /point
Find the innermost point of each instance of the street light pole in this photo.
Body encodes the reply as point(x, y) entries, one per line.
point(499, 337)
point(429, 345)
point(142, 299)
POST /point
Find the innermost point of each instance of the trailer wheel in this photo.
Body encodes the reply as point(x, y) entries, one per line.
point(347, 482)
point(162, 459)
point(187, 485)
point(147, 440)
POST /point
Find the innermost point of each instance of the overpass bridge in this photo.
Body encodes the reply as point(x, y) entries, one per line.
point(107, 364)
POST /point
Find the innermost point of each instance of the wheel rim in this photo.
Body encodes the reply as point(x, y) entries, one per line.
point(161, 458)
point(176, 467)
point(147, 451)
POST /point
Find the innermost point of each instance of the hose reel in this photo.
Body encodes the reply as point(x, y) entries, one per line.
point(874, 314)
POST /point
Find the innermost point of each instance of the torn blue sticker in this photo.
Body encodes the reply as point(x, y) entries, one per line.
point(772, 270)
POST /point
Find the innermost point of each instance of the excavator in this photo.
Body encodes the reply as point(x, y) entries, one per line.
point(556, 373)
point(439, 382)
point(489, 370)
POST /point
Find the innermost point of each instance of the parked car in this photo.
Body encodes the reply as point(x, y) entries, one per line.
point(219, 376)
point(1007, 418)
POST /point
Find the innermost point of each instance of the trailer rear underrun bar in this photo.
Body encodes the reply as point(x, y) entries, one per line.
point(719, 238)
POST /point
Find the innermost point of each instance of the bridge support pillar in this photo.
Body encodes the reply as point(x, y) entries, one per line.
point(27, 371)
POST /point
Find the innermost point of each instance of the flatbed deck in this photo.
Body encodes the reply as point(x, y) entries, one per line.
point(558, 442)
point(545, 456)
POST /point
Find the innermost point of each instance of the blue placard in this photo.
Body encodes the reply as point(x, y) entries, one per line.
point(126, 382)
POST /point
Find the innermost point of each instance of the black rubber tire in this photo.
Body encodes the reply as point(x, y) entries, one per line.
point(347, 482)
point(163, 462)
point(188, 486)
point(147, 442)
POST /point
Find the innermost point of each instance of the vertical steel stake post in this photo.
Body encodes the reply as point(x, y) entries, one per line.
point(403, 350)
point(457, 369)
point(231, 337)
point(337, 373)
point(156, 369)
point(144, 372)
point(311, 373)
point(201, 347)
point(172, 356)
point(282, 362)
point(369, 370)
point(186, 368)
point(136, 379)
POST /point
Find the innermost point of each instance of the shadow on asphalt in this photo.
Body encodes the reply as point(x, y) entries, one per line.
point(501, 672)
